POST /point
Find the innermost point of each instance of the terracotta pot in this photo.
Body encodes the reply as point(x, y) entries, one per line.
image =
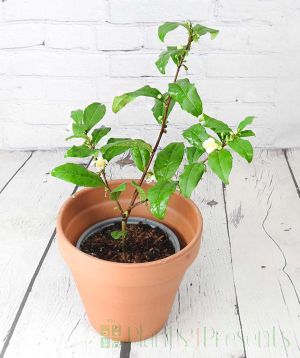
point(126, 302)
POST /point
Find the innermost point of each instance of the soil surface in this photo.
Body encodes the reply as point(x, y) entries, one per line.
point(142, 244)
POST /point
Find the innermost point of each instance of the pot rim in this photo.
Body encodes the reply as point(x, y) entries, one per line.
point(172, 237)
point(169, 259)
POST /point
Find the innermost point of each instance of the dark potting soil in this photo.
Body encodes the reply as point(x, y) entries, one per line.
point(142, 244)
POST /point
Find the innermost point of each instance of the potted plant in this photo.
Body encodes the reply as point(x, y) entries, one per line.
point(128, 243)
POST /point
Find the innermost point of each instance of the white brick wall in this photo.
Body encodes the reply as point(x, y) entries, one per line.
point(56, 56)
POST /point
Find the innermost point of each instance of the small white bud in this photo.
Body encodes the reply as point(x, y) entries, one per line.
point(159, 96)
point(100, 163)
point(150, 177)
point(160, 118)
point(210, 145)
point(179, 47)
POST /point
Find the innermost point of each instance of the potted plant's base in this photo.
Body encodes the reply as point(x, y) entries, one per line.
point(126, 301)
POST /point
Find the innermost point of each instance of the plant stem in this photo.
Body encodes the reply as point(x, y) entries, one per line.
point(123, 225)
point(162, 129)
point(109, 189)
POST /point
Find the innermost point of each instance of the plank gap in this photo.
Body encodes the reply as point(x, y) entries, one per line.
point(125, 349)
point(291, 172)
point(35, 274)
point(15, 173)
point(233, 278)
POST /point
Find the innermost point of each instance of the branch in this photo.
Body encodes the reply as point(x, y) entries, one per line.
point(109, 189)
point(162, 129)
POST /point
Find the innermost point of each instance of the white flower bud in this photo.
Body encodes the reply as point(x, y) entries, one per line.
point(159, 96)
point(210, 145)
point(100, 163)
point(150, 177)
point(179, 47)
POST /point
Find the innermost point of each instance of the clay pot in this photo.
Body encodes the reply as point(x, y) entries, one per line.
point(126, 302)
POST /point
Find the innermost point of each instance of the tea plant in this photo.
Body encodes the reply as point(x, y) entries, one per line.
point(208, 139)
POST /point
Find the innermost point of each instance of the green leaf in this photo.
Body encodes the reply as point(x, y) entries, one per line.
point(158, 196)
point(77, 174)
point(185, 93)
point(142, 193)
point(195, 135)
point(146, 91)
point(164, 57)
point(93, 114)
point(167, 27)
point(115, 193)
point(216, 125)
point(193, 154)
point(244, 123)
point(77, 116)
point(83, 136)
point(220, 162)
point(190, 178)
point(158, 109)
point(243, 148)
point(246, 133)
point(117, 234)
point(119, 146)
point(168, 161)
point(81, 151)
point(79, 130)
point(99, 133)
point(201, 30)
point(112, 152)
point(140, 157)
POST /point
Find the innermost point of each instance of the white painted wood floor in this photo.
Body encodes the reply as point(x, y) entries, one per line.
point(241, 297)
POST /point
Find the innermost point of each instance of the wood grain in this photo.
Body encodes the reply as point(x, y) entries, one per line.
point(28, 207)
point(264, 224)
point(204, 319)
point(239, 299)
point(10, 164)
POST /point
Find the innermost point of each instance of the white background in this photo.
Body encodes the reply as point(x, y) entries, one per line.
point(56, 56)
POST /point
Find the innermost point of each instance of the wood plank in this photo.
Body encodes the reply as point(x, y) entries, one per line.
point(28, 207)
point(10, 164)
point(54, 320)
point(205, 305)
point(204, 321)
point(263, 219)
point(292, 157)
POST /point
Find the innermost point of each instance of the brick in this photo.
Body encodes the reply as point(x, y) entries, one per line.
point(176, 37)
point(108, 89)
point(21, 35)
point(135, 65)
point(22, 88)
point(256, 10)
point(230, 38)
point(49, 64)
point(24, 136)
point(259, 90)
point(67, 10)
point(4, 64)
point(129, 11)
point(270, 38)
point(70, 37)
point(69, 90)
point(111, 37)
point(243, 65)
